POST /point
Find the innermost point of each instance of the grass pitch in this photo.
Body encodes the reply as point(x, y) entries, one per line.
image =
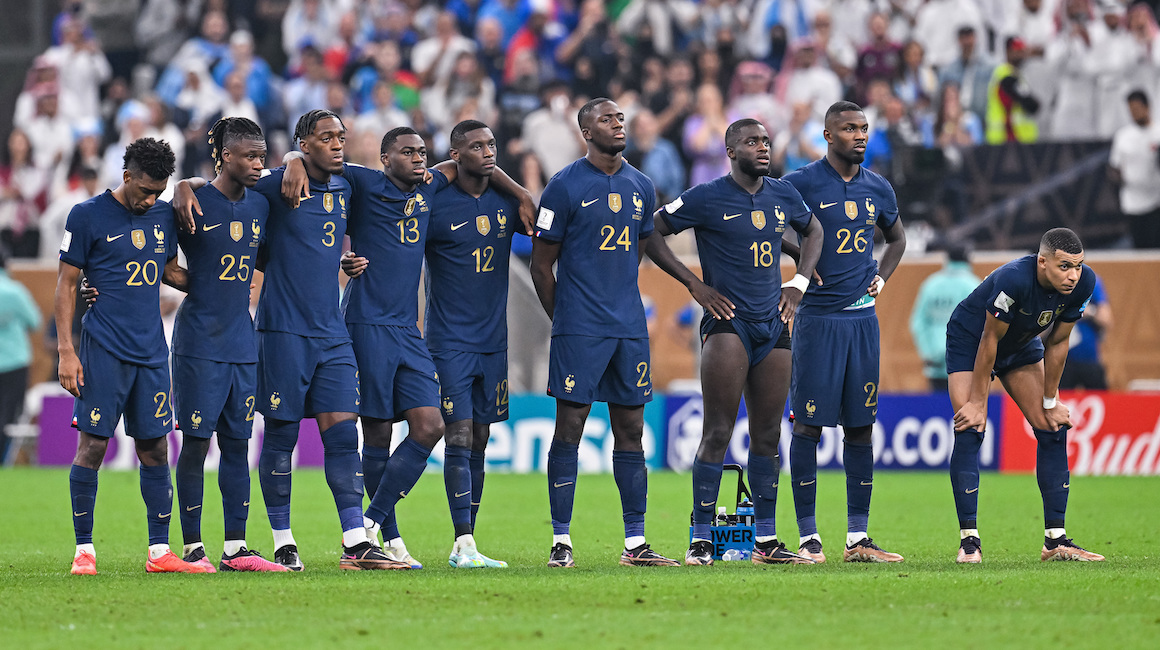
point(1013, 599)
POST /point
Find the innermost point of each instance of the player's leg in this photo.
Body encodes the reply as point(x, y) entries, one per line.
point(376, 451)
point(481, 433)
point(82, 481)
point(458, 373)
point(964, 471)
point(1025, 386)
point(489, 403)
point(563, 462)
point(818, 362)
point(190, 493)
point(200, 389)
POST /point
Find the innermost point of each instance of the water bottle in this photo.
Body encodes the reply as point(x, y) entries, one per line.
point(733, 555)
point(745, 513)
point(722, 518)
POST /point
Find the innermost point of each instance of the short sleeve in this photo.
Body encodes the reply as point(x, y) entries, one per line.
point(1089, 289)
point(683, 212)
point(799, 213)
point(888, 213)
point(170, 233)
point(270, 185)
point(438, 182)
point(74, 248)
point(1005, 297)
point(555, 210)
point(650, 206)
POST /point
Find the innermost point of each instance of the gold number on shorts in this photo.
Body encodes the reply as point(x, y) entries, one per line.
point(642, 368)
point(161, 400)
point(871, 394)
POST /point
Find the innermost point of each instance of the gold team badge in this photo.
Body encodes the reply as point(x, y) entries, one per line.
point(138, 238)
point(195, 420)
point(483, 224)
point(852, 209)
point(638, 206)
point(869, 207)
point(1045, 317)
point(569, 383)
point(410, 207)
point(328, 202)
point(810, 409)
point(758, 218)
point(275, 401)
point(94, 417)
point(614, 202)
point(448, 405)
point(777, 212)
point(236, 230)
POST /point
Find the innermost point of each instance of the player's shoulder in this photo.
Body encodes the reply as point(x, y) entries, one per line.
point(781, 186)
point(806, 175)
point(354, 172)
point(271, 178)
point(1087, 281)
point(1018, 273)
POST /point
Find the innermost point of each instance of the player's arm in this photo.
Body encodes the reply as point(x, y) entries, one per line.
point(353, 265)
point(72, 375)
point(295, 181)
point(1055, 346)
point(973, 414)
point(508, 185)
point(659, 252)
point(175, 275)
point(811, 251)
point(544, 256)
point(185, 202)
point(895, 246)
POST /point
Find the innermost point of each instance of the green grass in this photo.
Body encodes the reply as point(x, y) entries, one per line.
point(1011, 600)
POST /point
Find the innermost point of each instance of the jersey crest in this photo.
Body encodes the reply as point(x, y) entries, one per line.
point(758, 218)
point(483, 224)
point(236, 230)
point(614, 202)
point(328, 202)
point(138, 237)
point(869, 207)
point(852, 210)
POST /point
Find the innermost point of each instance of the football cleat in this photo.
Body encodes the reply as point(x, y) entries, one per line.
point(1065, 549)
point(776, 553)
point(197, 556)
point(368, 557)
point(970, 551)
point(400, 554)
point(645, 556)
point(561, 557)
point(812, 548)
point(865, 550)
point(84, 564)
point(170, 563)
point(247, 560)
point(700, 553)
point(287, 556)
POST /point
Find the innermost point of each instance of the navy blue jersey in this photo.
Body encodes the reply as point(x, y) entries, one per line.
point(214, 319)
point(848, 213)
point(739, 238)
point(303, 244)
point(468, 245)
point(389, 228)
point(1013, 295)
point(123, 255)
point(598, 220)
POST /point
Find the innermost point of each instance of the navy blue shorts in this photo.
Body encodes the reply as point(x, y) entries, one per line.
point(114, 388)
point(758, 337)
point(213, 396)
point(835, 369)
point(962, 346)
point(587, 369)
point(396, 372)
point(301, 376)
point(473, 385)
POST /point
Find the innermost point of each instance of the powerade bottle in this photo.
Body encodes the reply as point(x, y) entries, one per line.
point(745, 512)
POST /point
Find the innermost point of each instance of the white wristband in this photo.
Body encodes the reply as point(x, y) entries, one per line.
point(879, 282)
point(1049, 403)
point(799, 282)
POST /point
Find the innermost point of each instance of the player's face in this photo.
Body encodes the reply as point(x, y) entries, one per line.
point(406, 160)
point(605, 129)
point(244, 160)
point(324, 146)
point(1062, 270)
point(477, 155)
point(847, 134)
point(752, 150)
point(142, 190)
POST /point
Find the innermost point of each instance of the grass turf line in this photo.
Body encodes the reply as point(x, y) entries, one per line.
point(1012, 599)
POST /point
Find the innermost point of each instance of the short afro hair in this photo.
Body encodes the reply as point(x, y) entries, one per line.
point(734, 131)
point(588, 109)
point(1060, 239)
point(152, 157)
point(310, 119)
point(460, 131)
point(392, 137)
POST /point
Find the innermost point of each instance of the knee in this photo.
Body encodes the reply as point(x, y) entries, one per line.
point(153, 452)
point(377, 433)
point(807, 431)
point(340, 439)
point(280, 437)
point(428, 430)
point(765, 446)
point(458, 435)
point(196, 449)
point(859, 435)
point(233, 447)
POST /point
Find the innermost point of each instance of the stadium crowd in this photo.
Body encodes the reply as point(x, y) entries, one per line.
point(944, 74)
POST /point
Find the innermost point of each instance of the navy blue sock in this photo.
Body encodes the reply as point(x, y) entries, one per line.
point(631, 475)
point(403, 471)
point(234, 483)
point(191, 486)
point(82, 487)
point(374, 463)
point(763, 474)
point(341, 464)
point(706, 487)
point(457, 481)
point(274, 470)
point(477, 473)
point(965, 476)
point(803, 470)
point(859, 462)
point(562, 462)
point(1052, 473)
point(157, 491)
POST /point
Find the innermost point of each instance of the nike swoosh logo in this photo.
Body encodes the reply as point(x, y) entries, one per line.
point(585, 204)
point(707, 505)
point(455, 227)
point(277, 473)
point(502, 411)
point(972, 490)
point(166, 423)
point(191, 508)
point(774, 485)
point(1066, 485)
point(867, 482)
point(805, 483)
point(402, 495)
point(823, 206)
point(80, 514)
point(111, 238)
point(732, 216)
point(245, 504)
point(207, 227)
point(164, 516)
point(358, 473)
point(560, 485)
point(462, 494)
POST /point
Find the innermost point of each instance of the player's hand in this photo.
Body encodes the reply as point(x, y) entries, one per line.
point(184, 204)
point(1057, 417)
point(295, 183)
point(353, 266)
point(971, 416)
point(72, 375)
point(528, 216)
point(790, 299)
point(428, 177)
point(718, 305)
point(817, 278)
point(874, 288)
point(89, 293)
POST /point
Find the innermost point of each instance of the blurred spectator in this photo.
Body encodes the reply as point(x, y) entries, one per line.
point(937, 24)
point(937, 298)
point(952, 129)
point(491, 52)
point(50, 134)
point(308, 91)
point(1034, 22)
point(971, 72)
point(434, 58)
point(669, 21)
point(257, 78)
point(551, 132)
point(467, 81)
point(801, 143)
point(519, 98)
point(541, 37)
point(347, 47)
point(791, 17)
point(1072, 56)
point(391, 21)
point(307, 23)
point(209, 47)
point(86, 155)
point(916, 83)
point(751, 95)
point(879, 59)
point(1084, 369)
point(132, 123)
point(1143, 27)
point(83, 68)
point(853, 20)
point(160, 30)
point(237, 102)
point(384, 115)
point(19, 318)
point(888, 136)
point(656, 157)
point(510, 14)
point(53, 220)
point(1119, 55)
point(42, 74)
point(704, 138)
point(595, 41)
point(385, 64)
point(23, 196)
point(835, 51)
point(1010, 104)
point(675, 102)
point(466, 13)
point(1134, 166)
point(713, 68)
point(808, 82)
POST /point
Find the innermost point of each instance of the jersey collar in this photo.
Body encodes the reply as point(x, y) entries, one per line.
point(833, 172)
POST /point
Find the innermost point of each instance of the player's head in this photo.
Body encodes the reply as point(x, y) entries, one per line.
point(404, 156)
point(322, 137)
point(238, 149)
point(1138, 107)
point(148, 165)
point(473, 147)
point(1060, 259)
point(602, 125)
point(847, 131)
point(747, 145)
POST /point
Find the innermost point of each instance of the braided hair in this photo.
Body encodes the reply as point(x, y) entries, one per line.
point(309, 120)
point(229, 130)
